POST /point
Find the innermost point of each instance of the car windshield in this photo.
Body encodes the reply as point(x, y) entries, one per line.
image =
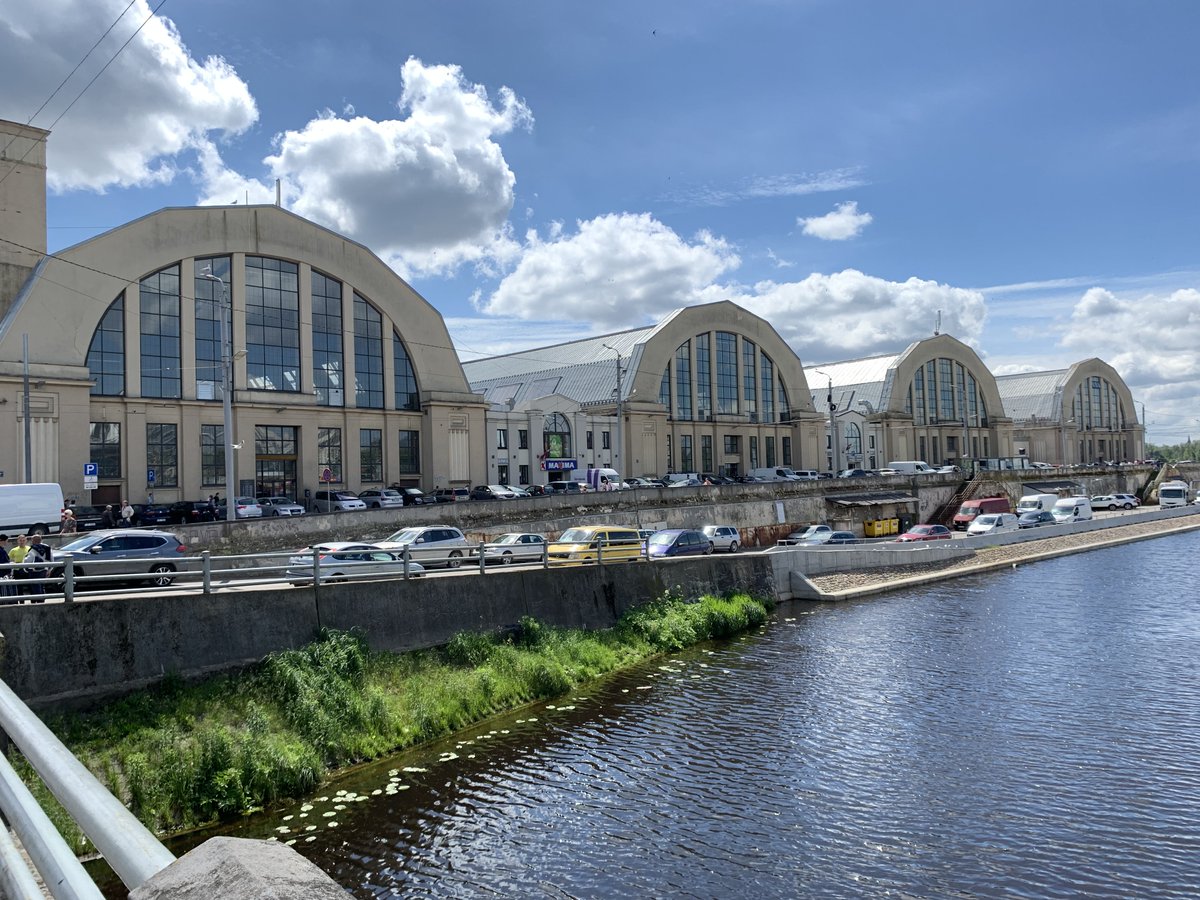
point(663, 537)
point(968, 509)
point(508, 539)
point(79, 544)
point(390, 493)
point(986, 520)
point(404, 536)
point(575, 536)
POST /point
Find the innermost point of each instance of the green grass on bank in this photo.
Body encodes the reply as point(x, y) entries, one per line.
point(181, 755)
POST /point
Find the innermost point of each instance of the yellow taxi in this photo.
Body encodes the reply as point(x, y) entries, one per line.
point(591, 542)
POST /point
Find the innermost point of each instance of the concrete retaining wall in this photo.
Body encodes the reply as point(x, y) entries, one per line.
point(70, 653)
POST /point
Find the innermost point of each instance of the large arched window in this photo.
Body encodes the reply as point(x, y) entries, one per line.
point(944, 392)
point(853, 442)
point(1097, 406)
point(407, 396)
point(106, 354)
point(727, 386)
point(212, 301)
point(556, 437)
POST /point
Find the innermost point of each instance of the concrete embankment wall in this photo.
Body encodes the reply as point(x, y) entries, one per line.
point(69, 653)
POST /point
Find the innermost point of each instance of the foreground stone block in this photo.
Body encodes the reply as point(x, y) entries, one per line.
point(237, 868)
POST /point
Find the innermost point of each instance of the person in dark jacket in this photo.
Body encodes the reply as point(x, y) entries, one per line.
point(38, 553)
point(108, 519)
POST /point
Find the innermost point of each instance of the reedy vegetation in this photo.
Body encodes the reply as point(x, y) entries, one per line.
point(180, 755)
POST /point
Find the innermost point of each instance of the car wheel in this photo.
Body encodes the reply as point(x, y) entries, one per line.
point(161, 575)
point(506, 559)
point(455, 559)
point(710, 548)
point(1128, 506)
point(733, 547)
point(1111, 507)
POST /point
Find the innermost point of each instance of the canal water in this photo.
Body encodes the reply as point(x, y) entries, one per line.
point(1031, 733)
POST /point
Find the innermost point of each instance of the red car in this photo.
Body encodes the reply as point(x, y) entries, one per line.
point(926, 533)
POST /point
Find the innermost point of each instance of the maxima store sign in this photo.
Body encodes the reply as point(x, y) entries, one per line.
point(558, 465)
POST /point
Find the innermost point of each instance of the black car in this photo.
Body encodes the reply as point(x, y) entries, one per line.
point(87, 518)
point(1035, 519)
point(188, 512)
point(414, 496)
point(151, 514)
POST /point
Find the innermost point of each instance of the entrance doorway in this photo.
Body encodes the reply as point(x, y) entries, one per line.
point(275, 460)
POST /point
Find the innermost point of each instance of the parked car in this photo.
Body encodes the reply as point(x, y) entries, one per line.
point(1035, 519)
point(926, 533)
point(799, 536)
point(639, 482)
point(440, 545)
point(149, 514)
point(1115, 501)
point(414, 496)
point(855, 473)
point(189, 512)
point(949, 470)
point(722, 537)
point(343, 560)
point(280, 506)
point(447, 495)
point(537, 490)
point(612, 542)
point(87, 518)
point(336, 501)
point(381, 498)
point(516, 546)
point(828, 537)
point(994, 523)
point(678, 542)
point(563, 487)
point(152, 555)
point(491, 492)
point(686, 482)
point(519, 493)
point(244, 508)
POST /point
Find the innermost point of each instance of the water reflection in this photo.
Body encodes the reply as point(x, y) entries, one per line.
point(1028, 733)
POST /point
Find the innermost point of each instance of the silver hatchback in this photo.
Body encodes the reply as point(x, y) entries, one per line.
point(432, 545)
point(153, 555)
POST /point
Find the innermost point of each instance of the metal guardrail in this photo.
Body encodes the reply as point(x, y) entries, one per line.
point(130, 848)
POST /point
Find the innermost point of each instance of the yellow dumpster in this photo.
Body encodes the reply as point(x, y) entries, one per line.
point(893, 526)
point(872, 528)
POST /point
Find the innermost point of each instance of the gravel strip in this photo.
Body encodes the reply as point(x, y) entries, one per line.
point(1011, 553)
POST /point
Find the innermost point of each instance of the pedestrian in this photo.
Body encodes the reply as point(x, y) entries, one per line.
point(69, 525)
point(17, 555)
point(108, 519)
point(7, 589)
point(37, 562)
point(126, 514)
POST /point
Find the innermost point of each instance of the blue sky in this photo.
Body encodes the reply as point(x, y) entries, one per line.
point(541, 171)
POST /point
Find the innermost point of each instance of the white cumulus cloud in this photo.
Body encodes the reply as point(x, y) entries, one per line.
point(615, 271)
point(843, 223)
point(428, 191)
point(152, 103)
point(848, 314)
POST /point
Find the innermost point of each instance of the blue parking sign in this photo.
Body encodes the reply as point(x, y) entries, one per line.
point(149, 476)
point(91, 470)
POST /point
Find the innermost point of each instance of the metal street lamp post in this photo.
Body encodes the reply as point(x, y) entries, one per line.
point(619, 455)
point(835, 456)
point(226, 399)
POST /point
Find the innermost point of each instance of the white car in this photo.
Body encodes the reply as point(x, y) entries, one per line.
point(1115, 501)
point(441, 545)
point(993, 523)
point(244, 508)
point(516, 546)
point(381, 498)
point(280, 506)
point(722, 537)
point(344, 560)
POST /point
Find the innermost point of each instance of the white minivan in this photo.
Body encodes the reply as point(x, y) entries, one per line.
point(912, 467)
point(1036, 503)
point(1072, 509)
point(30, 507)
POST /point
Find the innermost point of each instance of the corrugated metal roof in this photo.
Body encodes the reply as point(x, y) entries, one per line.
point(1028, 396)
point(871, 498)
point(556, 356)
point(851, 372)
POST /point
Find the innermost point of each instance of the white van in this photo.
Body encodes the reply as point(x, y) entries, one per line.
point(30, 507)
point(912, 467)
point(1172, 493)
point(1072, 509)
point(783, 473)
point(604, 480)
point(1036, 503)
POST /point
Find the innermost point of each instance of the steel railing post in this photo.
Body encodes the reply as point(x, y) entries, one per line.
point(482, 561)
point(206, 566)
point(405, 555)
point(69, 580)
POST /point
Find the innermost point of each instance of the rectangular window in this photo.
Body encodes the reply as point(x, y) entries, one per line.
point(160, 341)
point(368, 355)
point(787, 450)
point(106, 448)
point(703, 378)
point(162, 454)
point(501, 438)
point(522, 439)
point(329, 455)
point(272, 324)
point(683, 382)
point(502, 473)
point(212, 301)
point(686, 462)
point(605, 440)
point(370, 456)
point(727, 384)
point(212, 455)
point(670, 455)
point(589, 441)
point(753, 452)
point(732, 444)
point(750, 378)
point(770, 449)
point(706, 453)
point(523, 474)
point(327, 358)
point(410, 452)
